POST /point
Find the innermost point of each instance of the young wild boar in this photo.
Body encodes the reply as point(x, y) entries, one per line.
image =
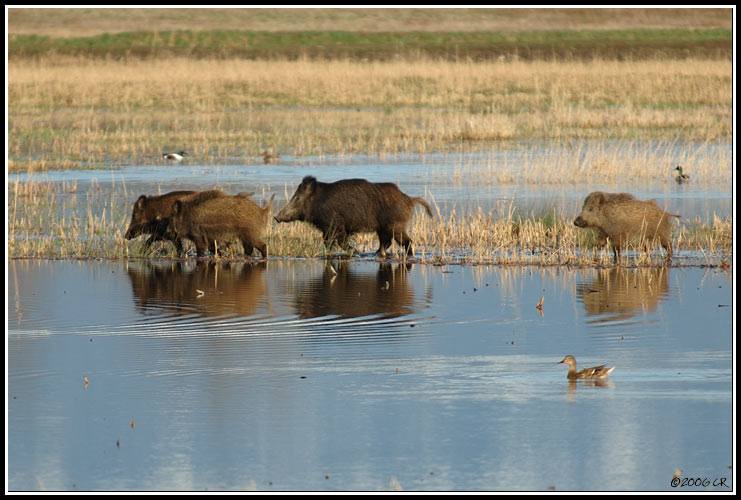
point(207, 220)
point(151, 215)
point(623, 218)
point(340, 209)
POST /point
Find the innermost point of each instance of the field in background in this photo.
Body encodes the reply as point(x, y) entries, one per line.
point(86, 113)
point(85, 22)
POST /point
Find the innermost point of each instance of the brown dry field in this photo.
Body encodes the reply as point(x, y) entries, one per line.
point(69, 22)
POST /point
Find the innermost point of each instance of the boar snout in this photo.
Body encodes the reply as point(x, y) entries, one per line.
point(580, 222)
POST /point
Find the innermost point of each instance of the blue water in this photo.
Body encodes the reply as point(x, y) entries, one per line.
point(464, 181)
point(304, 375)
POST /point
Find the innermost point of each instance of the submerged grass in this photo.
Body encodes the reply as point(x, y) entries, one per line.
point(56, 221)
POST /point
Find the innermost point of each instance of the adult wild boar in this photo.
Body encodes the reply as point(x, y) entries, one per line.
point(207, 220)
point(623, 218)
point(340, 209)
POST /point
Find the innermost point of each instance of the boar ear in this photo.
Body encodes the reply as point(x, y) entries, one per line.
point(601, 198)
point(177, 206)
point(140, 202)
point(309, 183)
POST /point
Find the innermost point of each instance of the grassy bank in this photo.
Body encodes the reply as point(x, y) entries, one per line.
point(84, 113)
point(53, 220)
point(633, 44)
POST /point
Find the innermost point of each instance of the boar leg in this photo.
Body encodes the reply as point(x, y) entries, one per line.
point(616, 250)
point(179, 246)
point(262, 247)
point(384, 242)
point(403, 239)
point(201, 246)
point(666, 243)
point(601, 238)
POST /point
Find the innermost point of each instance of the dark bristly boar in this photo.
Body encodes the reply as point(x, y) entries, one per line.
point(340, 209)
point(207, 220)
point(623, 219)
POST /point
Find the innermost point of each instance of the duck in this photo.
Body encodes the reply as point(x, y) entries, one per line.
point(681, 177)
point(174, 156)
point(596, 372)
point(269, 157)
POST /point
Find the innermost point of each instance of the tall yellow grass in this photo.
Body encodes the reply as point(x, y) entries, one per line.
point(66, 112)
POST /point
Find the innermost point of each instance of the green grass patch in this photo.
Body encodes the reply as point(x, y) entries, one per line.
point(545, 44)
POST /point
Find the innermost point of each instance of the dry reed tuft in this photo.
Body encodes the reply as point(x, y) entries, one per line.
point(57, 220)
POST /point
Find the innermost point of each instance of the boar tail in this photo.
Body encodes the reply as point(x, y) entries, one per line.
point(422, 202)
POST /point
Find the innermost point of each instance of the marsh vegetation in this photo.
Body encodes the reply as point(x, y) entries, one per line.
point(80, 110)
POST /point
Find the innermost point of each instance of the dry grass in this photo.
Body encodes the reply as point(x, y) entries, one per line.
point(66, 113)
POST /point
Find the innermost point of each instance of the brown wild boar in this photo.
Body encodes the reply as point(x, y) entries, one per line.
point(151, 215)
point(623, 218)
point(340, 209)
point(208, 220)
point(601, 235)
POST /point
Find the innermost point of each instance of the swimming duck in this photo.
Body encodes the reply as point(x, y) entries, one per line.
point(174, 156)
point(597, 372)
point(269, 157)
point(680, 177)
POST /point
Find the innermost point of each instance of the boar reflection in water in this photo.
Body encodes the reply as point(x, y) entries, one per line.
point(624, 293)
point(341, 292)
point(230, 288)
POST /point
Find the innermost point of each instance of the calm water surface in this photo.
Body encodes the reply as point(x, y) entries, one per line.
point(359, 375)
point(467, 182)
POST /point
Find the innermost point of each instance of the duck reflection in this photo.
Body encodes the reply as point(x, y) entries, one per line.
point(619, 294)
point(575, 384)
point(345, 292)
point(206, 288)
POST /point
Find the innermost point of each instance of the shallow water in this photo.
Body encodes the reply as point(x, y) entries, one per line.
point(467, 182)
point(357, 375)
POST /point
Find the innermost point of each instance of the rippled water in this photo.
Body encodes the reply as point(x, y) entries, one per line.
point(360, 375)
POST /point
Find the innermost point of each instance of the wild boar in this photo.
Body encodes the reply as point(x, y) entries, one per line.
point(207, 220)
point(601, 235)
point(151, 216)
point(623, 218)
point(340, 209)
